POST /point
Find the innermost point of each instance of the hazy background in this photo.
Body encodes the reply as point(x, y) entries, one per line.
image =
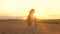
point(47, 9)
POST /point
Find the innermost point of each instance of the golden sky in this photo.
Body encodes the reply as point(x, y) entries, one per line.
point(46, 8)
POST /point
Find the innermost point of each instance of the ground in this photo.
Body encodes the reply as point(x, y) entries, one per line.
point(19, 27)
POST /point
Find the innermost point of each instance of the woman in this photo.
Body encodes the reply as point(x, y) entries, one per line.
point(31, 19)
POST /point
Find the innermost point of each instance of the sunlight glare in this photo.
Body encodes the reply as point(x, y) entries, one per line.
point(36, 14)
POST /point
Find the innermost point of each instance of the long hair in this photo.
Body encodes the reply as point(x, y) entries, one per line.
point(31, 11)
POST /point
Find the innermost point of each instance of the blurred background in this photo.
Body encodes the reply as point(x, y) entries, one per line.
point(47, 9)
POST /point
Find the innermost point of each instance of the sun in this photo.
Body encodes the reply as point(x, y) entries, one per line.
point(36, 14)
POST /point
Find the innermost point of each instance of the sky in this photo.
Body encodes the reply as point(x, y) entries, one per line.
point(45, 8)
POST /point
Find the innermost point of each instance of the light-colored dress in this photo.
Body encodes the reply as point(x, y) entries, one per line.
point(32, 21)
point(32, 26)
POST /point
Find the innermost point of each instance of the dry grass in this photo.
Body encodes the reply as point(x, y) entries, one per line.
point(19, 27)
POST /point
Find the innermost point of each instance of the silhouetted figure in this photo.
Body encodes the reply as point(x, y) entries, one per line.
point(31, 19)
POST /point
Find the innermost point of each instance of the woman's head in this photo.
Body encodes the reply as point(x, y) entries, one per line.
point(32, 11)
